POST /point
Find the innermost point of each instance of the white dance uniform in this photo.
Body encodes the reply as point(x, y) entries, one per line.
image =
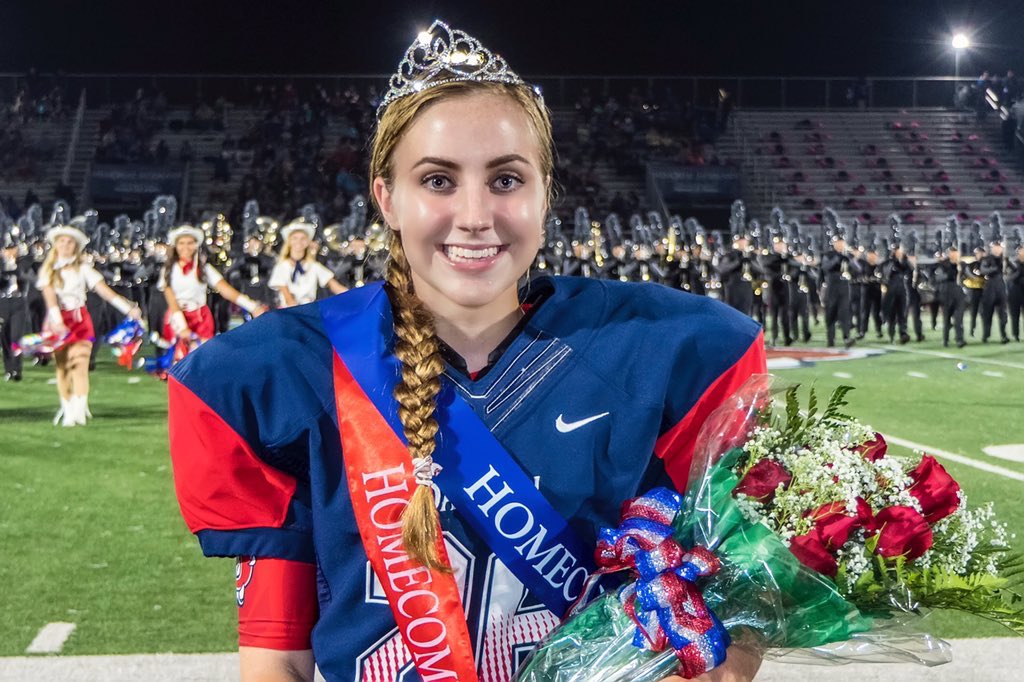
point(188, 290)
point(302, 285)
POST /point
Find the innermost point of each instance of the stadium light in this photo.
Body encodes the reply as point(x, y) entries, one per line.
point(960, 43)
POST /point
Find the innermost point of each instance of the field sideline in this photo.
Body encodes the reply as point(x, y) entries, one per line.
point(91, 533)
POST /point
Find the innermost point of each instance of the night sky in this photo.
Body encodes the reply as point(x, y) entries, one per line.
point(643, 37)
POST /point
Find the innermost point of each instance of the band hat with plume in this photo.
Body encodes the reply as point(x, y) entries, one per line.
point(186, 231)
point(298, 225)
point(441, 55)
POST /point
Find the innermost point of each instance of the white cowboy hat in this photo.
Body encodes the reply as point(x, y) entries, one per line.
point(186, 231)
point(67, 231)
point(308, 228)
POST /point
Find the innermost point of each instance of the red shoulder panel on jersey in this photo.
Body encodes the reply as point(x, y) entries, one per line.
point(675, 446)
point(277, 604)
point(220, 482)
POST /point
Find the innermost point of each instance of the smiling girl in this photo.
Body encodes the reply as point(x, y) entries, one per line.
point(414, 473)
point(185, 280)
point(297, 274)
point(64, 279)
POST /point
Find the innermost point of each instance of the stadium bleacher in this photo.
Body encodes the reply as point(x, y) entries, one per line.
point(922, 164)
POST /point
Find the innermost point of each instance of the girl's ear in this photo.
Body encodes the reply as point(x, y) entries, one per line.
point(384, 200)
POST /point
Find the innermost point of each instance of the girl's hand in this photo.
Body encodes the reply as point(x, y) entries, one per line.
point(55, 322)
point(260, 310)
point(741, 665)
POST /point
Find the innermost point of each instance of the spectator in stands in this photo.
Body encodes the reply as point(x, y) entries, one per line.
point(1010, 89)
point(857, 93)
point(981, 88)
point(162, 152)
point(65, 192)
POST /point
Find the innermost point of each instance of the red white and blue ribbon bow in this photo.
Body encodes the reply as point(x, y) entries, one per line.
point(664, 601)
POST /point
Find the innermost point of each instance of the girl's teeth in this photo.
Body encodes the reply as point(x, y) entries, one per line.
point(459, 253)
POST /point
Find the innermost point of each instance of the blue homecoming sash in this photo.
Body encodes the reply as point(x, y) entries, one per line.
point(486, 485)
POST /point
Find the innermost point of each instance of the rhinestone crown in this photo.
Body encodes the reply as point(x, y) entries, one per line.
point(441, 55)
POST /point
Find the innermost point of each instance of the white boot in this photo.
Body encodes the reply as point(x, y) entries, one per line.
point(78, 409)
point(64, 414)
point(85, 406)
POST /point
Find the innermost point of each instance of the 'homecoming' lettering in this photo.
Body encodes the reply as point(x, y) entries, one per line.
point(513, 520)
point(423, 632)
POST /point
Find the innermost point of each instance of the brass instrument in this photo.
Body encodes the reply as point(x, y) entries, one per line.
point(218, 237)
point(597, 239)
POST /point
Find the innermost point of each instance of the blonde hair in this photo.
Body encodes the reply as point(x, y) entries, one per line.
point(50, 277)
point(416, 342)
point(286, 252)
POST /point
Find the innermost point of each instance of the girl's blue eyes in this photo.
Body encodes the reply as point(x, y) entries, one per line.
point(505, 182)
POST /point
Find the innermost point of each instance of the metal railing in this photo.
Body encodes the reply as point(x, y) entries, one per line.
point(76, 130)
point(559, 90)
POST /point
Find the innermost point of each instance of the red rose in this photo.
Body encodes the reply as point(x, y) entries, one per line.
point(902, 531)
point(762, 479)
point(833, 525)
point(934, 489)
point(873, 450)
point(809, 550)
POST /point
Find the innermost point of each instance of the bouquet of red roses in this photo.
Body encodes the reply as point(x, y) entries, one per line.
point(798, 533)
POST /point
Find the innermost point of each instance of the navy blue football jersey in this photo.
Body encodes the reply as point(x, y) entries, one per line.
point(598, 398)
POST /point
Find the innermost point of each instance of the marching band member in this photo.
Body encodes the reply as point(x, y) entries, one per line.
point(185, 279)
point(64, 280)
point(298, 274)
point(322, 443)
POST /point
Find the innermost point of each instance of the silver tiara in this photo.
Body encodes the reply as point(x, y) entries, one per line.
point(441, 55)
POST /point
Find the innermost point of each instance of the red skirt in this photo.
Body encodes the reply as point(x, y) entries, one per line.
point(200, 321)
point(79, 324)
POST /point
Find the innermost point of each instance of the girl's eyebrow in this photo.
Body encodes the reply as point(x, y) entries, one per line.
point(447, 163)
point(437, 161)
point(502, 160)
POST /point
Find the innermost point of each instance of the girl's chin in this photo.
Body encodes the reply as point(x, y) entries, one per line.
point(475, 294)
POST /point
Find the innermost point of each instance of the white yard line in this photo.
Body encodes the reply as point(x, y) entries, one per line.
point(917, 375)
point(953, 457)
point(950, 356)
point(50, 639)
point(994, 375)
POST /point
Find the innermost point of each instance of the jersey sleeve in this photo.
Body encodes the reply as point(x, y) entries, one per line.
point(278, 276)
point(213, 278)
point(277, 603)
point(323, 274)
point(240, 460)
point(726, 364)
point(90, 276)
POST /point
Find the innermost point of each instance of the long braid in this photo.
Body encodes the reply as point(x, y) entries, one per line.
point(416, 346)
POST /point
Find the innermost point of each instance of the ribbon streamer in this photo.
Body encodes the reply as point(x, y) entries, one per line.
point(664, 602)
point(126, 339)
point(39, 345)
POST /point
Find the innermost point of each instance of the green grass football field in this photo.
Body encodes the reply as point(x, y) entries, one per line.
point(90, 531)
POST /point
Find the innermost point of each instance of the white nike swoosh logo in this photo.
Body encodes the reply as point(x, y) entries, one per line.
point(567, 427)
